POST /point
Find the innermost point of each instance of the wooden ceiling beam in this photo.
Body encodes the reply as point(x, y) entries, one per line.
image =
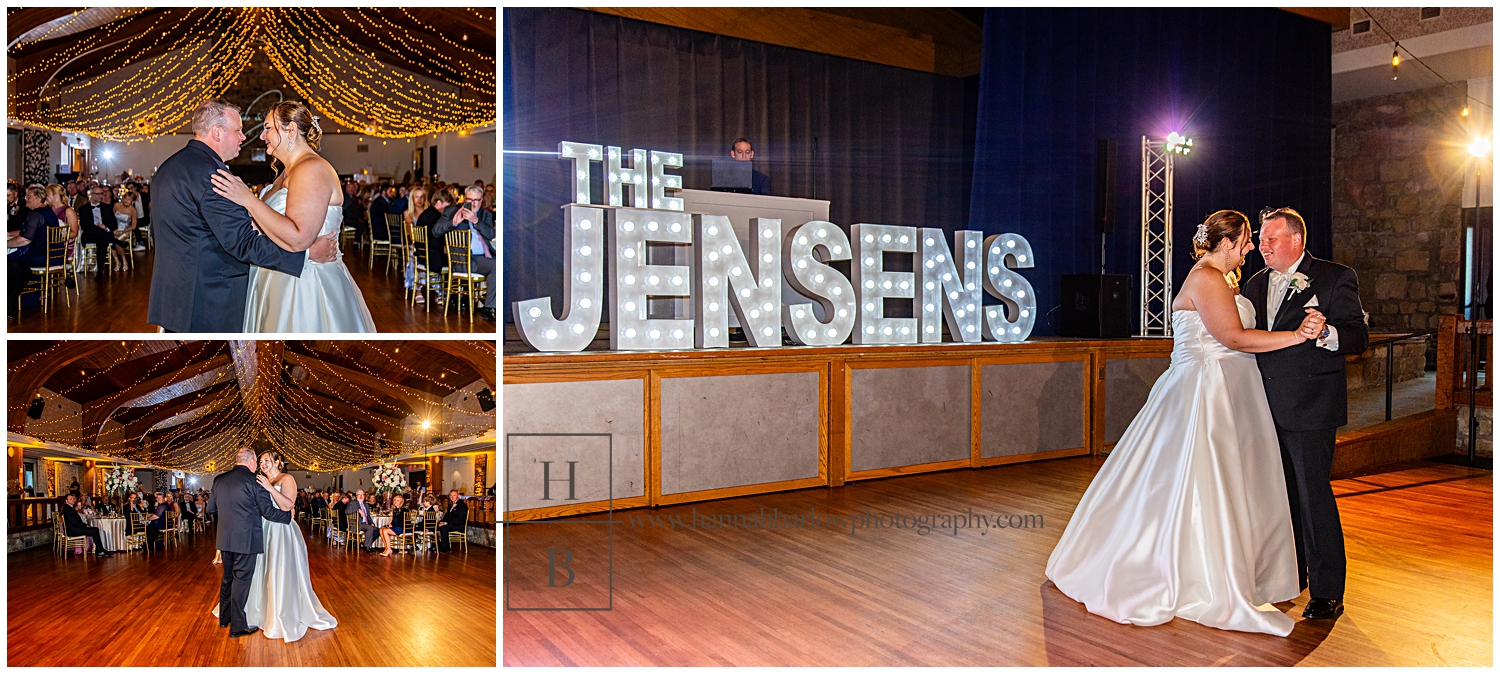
point(1337, 17)
point(480, 355)
point(136, 429)
point(25, 381)
point(96, 413)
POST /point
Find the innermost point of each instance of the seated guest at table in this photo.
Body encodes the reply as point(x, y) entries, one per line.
point(472, 215)
point(189, 512)
point(355, 214)
point(760, 183)
point(361, 509)
point(86, 507)
point(156, 522)
point(75, 526)
point(96, 221)
point(437, 253)
point(397, 525)
point(379, 206)
point(457, 515)
point(29, 244)
point(318, 505)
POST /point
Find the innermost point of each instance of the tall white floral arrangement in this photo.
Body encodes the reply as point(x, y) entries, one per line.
point(388, 478)
point(120, 480)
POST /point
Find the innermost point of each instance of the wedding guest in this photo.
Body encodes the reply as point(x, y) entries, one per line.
point(471, 215)
point(57, 201)
point(360, 509)
point(355, 214)
point(95, 221)
point(190, 512)
point(453, 520)
point(29, 244)
point(126, 221)
point(379, 206)
point(74, 525)
point(397, 525)
point(156, 522)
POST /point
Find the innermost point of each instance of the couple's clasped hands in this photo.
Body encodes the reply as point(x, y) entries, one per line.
point(231, 187)
point(1312, 324)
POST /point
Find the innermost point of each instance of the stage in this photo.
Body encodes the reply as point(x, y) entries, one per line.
point(139, 610)
point(118, 304)
point(1420, 571)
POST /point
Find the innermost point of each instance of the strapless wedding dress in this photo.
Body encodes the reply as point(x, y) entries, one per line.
point(323, 299)
point(282, 602)
point(1188, 517)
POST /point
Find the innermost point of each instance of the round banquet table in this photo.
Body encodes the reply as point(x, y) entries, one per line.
point(111, 532)
point(381, 520)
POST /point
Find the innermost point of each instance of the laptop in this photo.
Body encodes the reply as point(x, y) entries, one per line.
point(731, 175)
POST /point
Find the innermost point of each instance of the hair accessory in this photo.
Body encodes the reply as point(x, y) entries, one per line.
point(315, 125)
point(1201, 238)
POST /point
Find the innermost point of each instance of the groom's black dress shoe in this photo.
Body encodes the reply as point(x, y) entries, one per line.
point(246, 633)
point(1322, 609)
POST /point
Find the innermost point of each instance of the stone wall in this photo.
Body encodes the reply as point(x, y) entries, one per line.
point(1485, 416)
point(1367, 370)
point(1397, 179)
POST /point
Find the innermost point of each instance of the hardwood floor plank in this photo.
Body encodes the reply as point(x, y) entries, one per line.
point(1420, 568)
point(153, 611)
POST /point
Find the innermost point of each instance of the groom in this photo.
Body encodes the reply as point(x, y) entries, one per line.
point(241, 503)
point(205, 243)
point(1306, 387)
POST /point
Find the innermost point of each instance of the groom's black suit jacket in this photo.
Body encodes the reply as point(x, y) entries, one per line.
point(204, 248)
point(241, 502)
point(1306, 385)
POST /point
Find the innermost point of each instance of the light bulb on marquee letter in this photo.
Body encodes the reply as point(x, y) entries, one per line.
point(950, 285)
point(583, 289)
point(813, 278)
point(722, 278)
point(661, 181)
point(619, 177)
point(1012, 320)
point(872, 284)
point(635, 281)
point(583, 155)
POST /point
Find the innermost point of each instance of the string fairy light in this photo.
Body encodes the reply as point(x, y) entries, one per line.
point(202, 51)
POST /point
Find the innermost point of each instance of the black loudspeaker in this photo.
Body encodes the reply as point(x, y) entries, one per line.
point(1095, 305)
point(35, 409)
point(1104, 186)
point(486, 400)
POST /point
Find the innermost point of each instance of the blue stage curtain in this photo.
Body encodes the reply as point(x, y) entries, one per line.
point(893, 146)
point(1251, 86)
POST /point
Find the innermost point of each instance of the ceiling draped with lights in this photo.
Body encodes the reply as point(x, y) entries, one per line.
point(188, 405)
point(135, 73)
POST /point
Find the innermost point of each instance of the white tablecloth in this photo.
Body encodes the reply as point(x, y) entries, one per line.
point(111, 532)
point(381, 520)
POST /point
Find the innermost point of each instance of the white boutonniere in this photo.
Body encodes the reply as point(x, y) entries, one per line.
point(1299, 282)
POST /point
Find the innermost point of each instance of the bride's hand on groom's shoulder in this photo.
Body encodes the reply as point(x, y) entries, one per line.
point(264, 481)
point(229, 186)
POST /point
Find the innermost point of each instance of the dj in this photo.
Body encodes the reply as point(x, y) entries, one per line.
point(760, 183)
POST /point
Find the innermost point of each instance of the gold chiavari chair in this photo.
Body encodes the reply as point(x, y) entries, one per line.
point(462, 535)
point(62, 543)
point(352, 535)
point(135, 538)
point(461, 277)
point(427, 530)
point(424, 275)
point(381, 246)
point(51, 274)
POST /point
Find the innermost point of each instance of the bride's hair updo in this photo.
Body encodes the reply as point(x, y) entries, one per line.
point(1218, 227)
point(294, 112)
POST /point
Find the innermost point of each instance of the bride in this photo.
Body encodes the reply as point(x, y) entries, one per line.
point(1188, 517)
point(303, 203)
point(282, 601)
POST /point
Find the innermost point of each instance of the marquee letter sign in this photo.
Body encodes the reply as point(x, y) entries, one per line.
point(946, 287)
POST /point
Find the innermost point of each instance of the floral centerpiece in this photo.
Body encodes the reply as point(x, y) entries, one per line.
point(119, 480)
point(388, 479)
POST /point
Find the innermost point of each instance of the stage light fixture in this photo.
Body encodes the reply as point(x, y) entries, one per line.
point(1179, 143)
point(1480, 147)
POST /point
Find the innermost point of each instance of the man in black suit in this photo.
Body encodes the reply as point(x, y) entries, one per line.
point(319, 506)
point(1306, 387)
point(75, 526)
point(96, 221)
point(481, 221)
point(379, 206)
point(453, 520)
point(361, 509)
point(205, 243)
point(240, 502)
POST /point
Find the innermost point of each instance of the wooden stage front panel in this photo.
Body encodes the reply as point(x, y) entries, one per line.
point(656, 428)
point(135, 610)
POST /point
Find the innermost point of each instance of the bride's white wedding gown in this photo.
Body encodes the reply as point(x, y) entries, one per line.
point(1188, 517)
point(323, 299)
point(282, 602)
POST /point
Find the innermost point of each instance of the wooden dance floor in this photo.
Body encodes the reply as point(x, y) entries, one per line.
point(135, 610)
point(1419, 593)
point(118, 304)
